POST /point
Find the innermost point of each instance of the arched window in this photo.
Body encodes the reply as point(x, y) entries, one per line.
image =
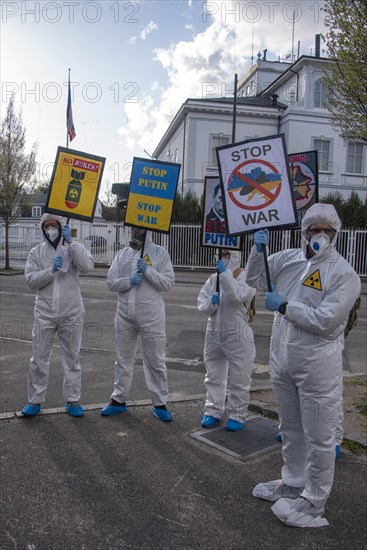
point(320, 96)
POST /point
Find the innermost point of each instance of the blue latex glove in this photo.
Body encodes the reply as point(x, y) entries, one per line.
point(136, 279)
point(261, 237)
point(273, 299)
point(220, 266)
point(57, 264)
point(66, 233)
point(215, 299)
point(142, 265)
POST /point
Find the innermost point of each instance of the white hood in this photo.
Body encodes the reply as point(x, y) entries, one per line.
point(234, 259)
point(321, 213)
point(48, 216)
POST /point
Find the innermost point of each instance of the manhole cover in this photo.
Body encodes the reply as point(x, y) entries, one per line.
point(256, 438)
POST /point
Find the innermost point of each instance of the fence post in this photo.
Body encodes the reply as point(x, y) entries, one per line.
point(183, 243)
point(351, 248)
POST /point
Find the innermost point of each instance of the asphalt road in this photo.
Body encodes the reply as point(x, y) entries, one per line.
point(132, 482)
point(185, 329)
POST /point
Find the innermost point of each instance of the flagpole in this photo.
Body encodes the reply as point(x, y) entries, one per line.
point(67, 132)
point(70, 130)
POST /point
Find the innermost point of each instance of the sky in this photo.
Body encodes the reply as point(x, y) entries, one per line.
point(132, 65)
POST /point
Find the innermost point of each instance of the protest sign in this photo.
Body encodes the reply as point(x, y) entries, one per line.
point(305, 179)
point(153, 185)
point(74, 184)
point(256, 185)
point(213, 229)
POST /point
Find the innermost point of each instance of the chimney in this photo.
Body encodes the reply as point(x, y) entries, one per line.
point(317, 45)
point(274, 99)
point(264, 56)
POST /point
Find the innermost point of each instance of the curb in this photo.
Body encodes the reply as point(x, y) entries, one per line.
point(11, 274)
point(254, 406)
point(98, 406)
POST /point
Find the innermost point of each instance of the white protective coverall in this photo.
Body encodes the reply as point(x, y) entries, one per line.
point(58, 309)
point(229, 350)
point(306, 361)
point(141, 310)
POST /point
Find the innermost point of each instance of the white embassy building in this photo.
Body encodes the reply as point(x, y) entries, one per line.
point(274, 97)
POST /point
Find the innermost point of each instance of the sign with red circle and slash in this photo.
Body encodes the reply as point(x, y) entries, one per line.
point(256, 188)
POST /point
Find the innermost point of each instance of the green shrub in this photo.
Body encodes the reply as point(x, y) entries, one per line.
point(351, 211)
point(186, 209)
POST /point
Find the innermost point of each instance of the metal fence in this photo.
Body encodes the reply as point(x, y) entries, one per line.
point(186, 251)
point(183, 243)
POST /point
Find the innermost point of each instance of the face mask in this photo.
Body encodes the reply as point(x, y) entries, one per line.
point(225, 262)
point(52, 233)
point(136, 241)
point(135, 244)
point(319, 243)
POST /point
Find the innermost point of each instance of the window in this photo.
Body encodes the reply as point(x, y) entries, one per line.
point(217, 141)
point(323, 147)
point(354, 158)
point(36, 211)
point(320, 96)
point(250, 88)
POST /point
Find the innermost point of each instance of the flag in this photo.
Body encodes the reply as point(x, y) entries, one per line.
point(69, 117)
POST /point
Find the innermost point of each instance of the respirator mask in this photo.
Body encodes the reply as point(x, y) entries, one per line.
point(224, 257)
point(225, 262)
point(52, 233)
point(319, 243)
point(137, 239)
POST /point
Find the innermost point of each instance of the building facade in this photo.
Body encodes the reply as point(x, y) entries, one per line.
point(273, 98)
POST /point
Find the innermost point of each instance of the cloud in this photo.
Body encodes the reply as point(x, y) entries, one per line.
point(235, 31)
point(132, 40)
point(190, 65)
point(144, 33)
point(148, 29)
point(154, 86)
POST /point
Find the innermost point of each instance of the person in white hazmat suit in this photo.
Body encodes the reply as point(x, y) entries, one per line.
point(229, 350)
point(338, 436)
point(313, 290)
point(140, 282)
point(52, 270)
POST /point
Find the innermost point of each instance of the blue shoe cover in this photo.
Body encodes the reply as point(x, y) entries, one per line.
point(162, 414)
point(209, 421)
point(31, 409)
point(111, 410)
point(337, 452)
point(74, 409)
point(278, 437)
point(234, 425)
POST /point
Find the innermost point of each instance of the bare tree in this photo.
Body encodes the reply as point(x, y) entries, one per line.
point(346, 85)
point(106, 197)
point(17, 171)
